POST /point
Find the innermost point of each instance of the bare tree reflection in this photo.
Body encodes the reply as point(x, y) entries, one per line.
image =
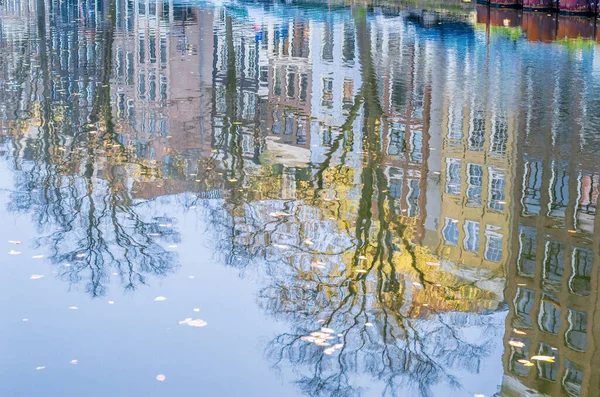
point(76, 172)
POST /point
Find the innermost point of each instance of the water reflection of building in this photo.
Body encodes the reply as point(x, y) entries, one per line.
point(553, 271)
point(478, 132)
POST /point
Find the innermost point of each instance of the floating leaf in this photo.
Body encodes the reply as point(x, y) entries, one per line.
point(549, 359)
point(37, 256)
point(13, 252)
point(317, 265)
point(36, 276)
point(160, 299)
point(193, 323)
point(327, 330)
point(308, 338)
point(518, 332)
point(432, 263)
point(25, 320)
point(73, 308)
point(329, 350)
point(516, 343)
point(196, 309)
point(368, 325)
point(15, 242)
point(160, 377)
point(74, 362)
point(111, 302)
point(40, 368)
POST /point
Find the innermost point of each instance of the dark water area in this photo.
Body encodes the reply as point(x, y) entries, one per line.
point(318, 199)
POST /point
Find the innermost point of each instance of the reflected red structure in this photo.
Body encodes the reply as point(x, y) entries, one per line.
point(579, 7)
point(572, 27)
point(540, 5)
point(539, 26)
point(506, 3)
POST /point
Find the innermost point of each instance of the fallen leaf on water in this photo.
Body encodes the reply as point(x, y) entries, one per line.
point(320, 321)
point(15, 242)
point(362, 257)
point(340, 335)
point(25, 320)
point(327, 330)
point(318, 265)
point(36, 276)
point(432, 263)
point(80, 255)
point(281, 246)
point(40, 368)
point(160, 299)
point(13, 252)
point(111, 302)
point(37, 256)
point(74, 362)
point(115, 274)
point(549, 359)
point(338, 345)
point(329, 350)
point(368, 325)
point(160, 377)
point(516, 331)
point(321, 343)
point(516, 343)
point(308, 242)
point(73, 308)
point(308, 338)
point(192, 277)
point(360, 270)
point(525, 362)
point(193, 323)
point(172, 246)
point(196, 309)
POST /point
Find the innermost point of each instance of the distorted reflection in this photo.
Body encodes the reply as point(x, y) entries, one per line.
point(410, 188)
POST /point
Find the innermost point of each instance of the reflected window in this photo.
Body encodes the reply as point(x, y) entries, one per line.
point(586, 206)
point(554, 261)
point(523, 302)
point(327, 93)
point(450, 231)
point(416, 143)
point(327, 53)
point(303, 87)
point(290, 89)
point(455, 119)
point(581, 264)
point(477, 132)
point(559, 192)
point(413, 197)
point(527, 251)
point(453, 177)
point(397, 144)
point(277, 85)
point(497, 185)
point(499, 137)
point(474, 183)
point(572, 380)
point(549, 316)
point(348, 46)
point(471, 240)
point(576, 335)
point(547, 370)
point(493, 244)
point(532, 184)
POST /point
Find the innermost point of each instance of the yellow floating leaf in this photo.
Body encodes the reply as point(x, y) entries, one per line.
point(518, 332)
point(549, 359)
point(516, 343)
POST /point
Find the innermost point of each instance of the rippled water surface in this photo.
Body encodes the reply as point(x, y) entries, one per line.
point(319, 199)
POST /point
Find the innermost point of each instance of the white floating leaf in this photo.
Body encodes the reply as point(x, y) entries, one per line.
point(327, 330)
point(40, 368)
point(36, 276)
point(111, 302)
point(368, 325)
point(329, 350)
point(160, 299)
point(193, 323)
point(73, 308)
point(13, 252)
point(196, 309)
point(37, 256)
point(160, 377)
point(74, 362)
point(15, 242)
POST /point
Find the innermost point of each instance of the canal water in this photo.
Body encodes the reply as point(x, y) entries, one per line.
point(269, 199)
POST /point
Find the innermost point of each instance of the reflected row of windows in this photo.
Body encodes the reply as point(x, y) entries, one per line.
point(474, 179)
point(472, 237)
point(572, 378)
point(558, 192)
point(408, 188)
point(477, 128)
point(550, 318)
point(553, 262)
